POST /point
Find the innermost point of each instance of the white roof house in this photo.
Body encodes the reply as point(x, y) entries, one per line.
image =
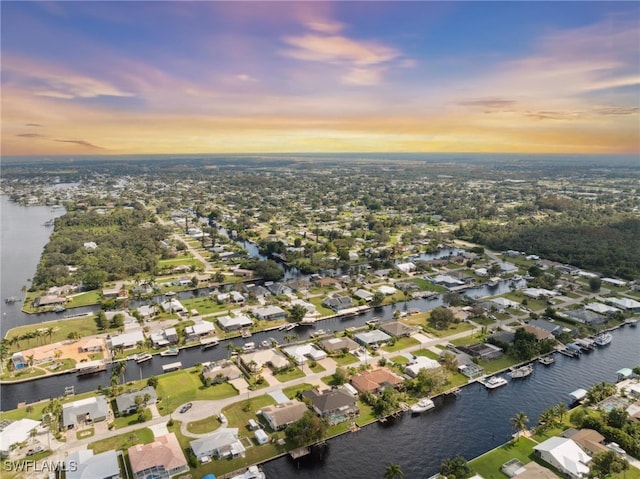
point(91, 409)
point(126, 340)
point(222, 443)
point(201, 328)
point(625, 303)
point(601, 308)
point(387, 290)
point(15, 433)
point(505, 303)
point(539, 292)
point(302, 352)
point(406, 267)
point(236, 322)
point(172, 306)
point(270, 313)
point(311, 308)
point(421, 362)
point(565, 455)
point(85, 465)
point(374, 336)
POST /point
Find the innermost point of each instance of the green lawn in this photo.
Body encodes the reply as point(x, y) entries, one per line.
point(205, 305)
point(317, 302)
point(428, 353)
point(24, 373)
point(488, 465)
point(238, 414)
point(123, 441)
point(292, 391)
point(61, 329)
point(425, 285)
point(318, 368)
point(85, 299)
point(452, 329)
point(401, 343)
point(289, 375)
point(400, 360)
point(85, 433)
point(203, 426)
point(498, 364)
point(344, 360)
point(179, 387)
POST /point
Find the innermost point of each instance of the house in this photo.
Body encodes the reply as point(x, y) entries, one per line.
point(256, 360)
point(446, 280)
point(419, 363)
point(626, 304)
point(243, 273)
point(311, 308)
point(588, 439)
point(277, 289)
point(546, 326)
point(374, 337)
point(198, 330)
point(406, 267)
point(114, 293)
point(164, 337)
point(281, 415)
point(387, 290)
point(235, 323)
point(217, 372)
point(160, 459)
point(222, 443)
point(301, 352)
point(565, 455)
point(508, 268)
point(502, 303)
point(585, 316)
point(335, 345)
point(48, 300)
point(172, 306)
point(126, 403)
point(85, 411)
point(363, 294)
point(338, 303)
point(258, 291)
point(537, 293)
point(270, 313)
point(601, 308)
point(375, 380)
point(15, 433)
point(335, 405)
point(126, 340)
point(506, 337)
point(147, 311)
point(483, 351)
point(397, 329)
point(614, 282)
point(406, 286)
point(84, 464)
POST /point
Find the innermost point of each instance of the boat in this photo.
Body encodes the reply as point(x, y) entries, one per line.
point(281, 327)
point(142, 357)
point(170, 293)
point(171, 367)
point(546, 360)
point(425, 404)
point(11, 300)
point(372, 322)
point(246, 333)
point(209, 342)
point(289, 327)
point(317, 333)
point(253, 472)
point(493, 382)
point(603, 339)
point(170, 352)
point(59, 309)
point(265, 344)
point(633, 322)
point(248, 347)
point(521, 372)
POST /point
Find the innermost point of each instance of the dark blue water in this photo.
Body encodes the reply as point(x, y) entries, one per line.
point(474, 423)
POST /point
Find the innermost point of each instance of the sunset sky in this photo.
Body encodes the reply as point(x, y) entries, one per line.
point(216, 77)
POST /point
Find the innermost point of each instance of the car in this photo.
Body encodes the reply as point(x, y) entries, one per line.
point(186, 407)
point(35, 450)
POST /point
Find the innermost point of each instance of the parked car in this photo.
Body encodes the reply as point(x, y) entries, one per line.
point(186, 407)
point(35, 450)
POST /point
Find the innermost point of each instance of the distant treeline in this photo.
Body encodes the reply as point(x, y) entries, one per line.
point(612, 249)
point(127, 239)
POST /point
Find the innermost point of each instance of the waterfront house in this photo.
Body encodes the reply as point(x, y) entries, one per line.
point(626, 304)
point(337, 345)
point(281, 415)
point(539, 333)
point(419, 363)
point(85, 411)
point(406, 268)
point(259, 292)
point(483, 351)
point(375, 380)
point(48, 300)
point(588, 439)
point(546, 326)
point(397, 329)
point(91, 345)
point(565, 455)
point(199, 330)
point(502, 303)
point(147, 311)
point(446, 280)
point(84, 464)
point(363, 294)
point(374, 338)
point(585, 316)
point(602, 308)
point(301, 352)
point(387, 290)
point(164, 337)
point(14, 433)
point(256, 360)
point(217, 372)
point(270, 313)
point(161, 459)
point(126, 403)
point(222, 443)
point(126, 340)
point(277, 288)
point(235, 323)
point(172, 306)
point(114, 293)
point(338, 303)
point(335, 405)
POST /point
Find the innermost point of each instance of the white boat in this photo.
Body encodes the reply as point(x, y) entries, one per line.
point(317, 333)
point(209, 342)
point(248, 347)
point(170, 293)
point(546, 360)
point(245, 333)
point(170, 352)
point(142, 357)
point(289, 327)
point(633, 322)
point(425, 404)
point(265, 344)
point(603, 339)
point(254, 472)
point(521, 372)
point(493, 382)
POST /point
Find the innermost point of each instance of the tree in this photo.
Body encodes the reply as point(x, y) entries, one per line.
point(339, 377)
point(101, 320)
point(519, 423)
point(378, 299)
point(307, 430)
point(606, 463)
point(450, 361)
point(267, 270)
point(152, 381)
point(440, 318)
point(455, 468)
point(393, 471)
point(297, 312)
point(594, 284)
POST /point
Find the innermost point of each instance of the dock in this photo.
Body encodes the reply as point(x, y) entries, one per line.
point(299, 452)
point(171, 367)
point(91, 367)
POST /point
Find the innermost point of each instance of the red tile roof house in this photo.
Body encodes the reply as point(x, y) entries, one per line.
point(375, 380)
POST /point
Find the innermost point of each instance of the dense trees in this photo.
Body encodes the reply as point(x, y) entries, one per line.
point(605, 463)
point(441, 318)
point(307, 430)
point(455, 468)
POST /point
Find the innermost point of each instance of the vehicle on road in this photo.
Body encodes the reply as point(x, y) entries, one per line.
point(186, 407)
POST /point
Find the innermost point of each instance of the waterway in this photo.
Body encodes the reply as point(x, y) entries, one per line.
point(474, 423)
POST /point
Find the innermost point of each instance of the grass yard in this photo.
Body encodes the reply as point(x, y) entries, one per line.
point(85, 433)
point(344, 360)
point(317, 302)
point(238, 414)
point(452, 329)
point(61, 329)
point(289, 375)
point(203, 426)
point(399, 360)
point(427, 353)
point(498, 364)
point(123, 441)
point(179, 387)
point(401, 343)
point(84, 299)
point(205, 305)
point(425, 285)
point(488, 465)
point(292, 391)
point(317, 368)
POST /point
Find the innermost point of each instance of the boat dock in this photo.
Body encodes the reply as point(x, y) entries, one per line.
point(171, 367)
point(91, 367)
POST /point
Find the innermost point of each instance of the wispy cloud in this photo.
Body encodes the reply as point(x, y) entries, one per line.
point(30, 135)
point(83, 143)
point(33, 124)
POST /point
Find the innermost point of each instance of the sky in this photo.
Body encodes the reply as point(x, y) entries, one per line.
point(261, 77)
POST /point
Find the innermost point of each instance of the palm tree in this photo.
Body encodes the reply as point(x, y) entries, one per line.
point(30, 360)
point(560, 410)
point(49, 333)
point(519, 422)
point(393, 471)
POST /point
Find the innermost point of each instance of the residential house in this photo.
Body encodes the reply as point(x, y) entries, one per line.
point(406, 268)
point(539, 333)
point(602, 308)
point(235, 323)
point(311, 308)
point(49, 300)
point(220, 371)
point(483, 351)
point(223, 443)
point(585, 316)
point(199, 330)
point(338, 303)
point(173, 306)
point(372, 338)
point(277, 288)
point(419, 363)
point(546, 326)
point(337, 345)
point(147, 311)
point(335, 405)
point(387, 290)
point(281, 415)
point(84, 464)
point(363, 294)
point(126, 403)
point(397, 329)
point(537, 293)
point(508, 268)
point(588, 439)
point(626, 304)
point(85, 411)
point(243, 273)
point(375, 380)
point(502, 303)
point(14, 433)
point(91, 345)
point(164, 337)
point(260, 292)
point(270, 313)
point(115, 293)
point(126, 340)
point(565, 455)
point(256, 360)
point(446, 280)
point(301, 352)
point(161, 459)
